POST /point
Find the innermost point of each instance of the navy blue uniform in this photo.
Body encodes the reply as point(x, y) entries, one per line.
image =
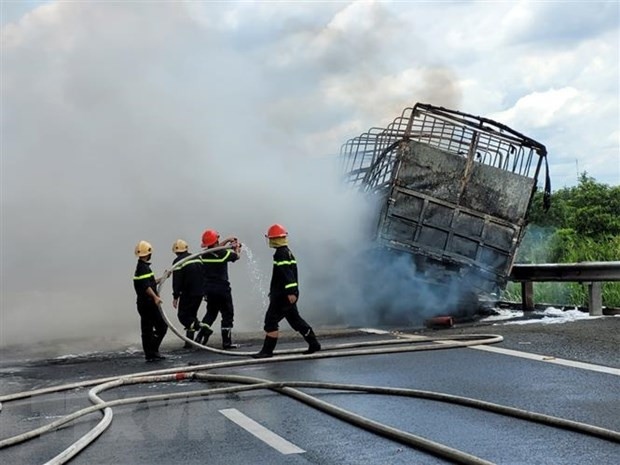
point(284, 282)
point(152, 325)
point(217, 287)
point(188, 287)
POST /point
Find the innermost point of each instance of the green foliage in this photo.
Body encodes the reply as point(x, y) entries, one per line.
point(591, 209)
point(568, 246)
point(583, 224)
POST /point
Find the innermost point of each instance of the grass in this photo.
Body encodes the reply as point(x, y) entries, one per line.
point(564, 293)
point(565, 246)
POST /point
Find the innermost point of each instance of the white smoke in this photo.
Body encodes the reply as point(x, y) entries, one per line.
point(151, 121)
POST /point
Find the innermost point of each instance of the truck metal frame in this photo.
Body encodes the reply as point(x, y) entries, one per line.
point(454, 189)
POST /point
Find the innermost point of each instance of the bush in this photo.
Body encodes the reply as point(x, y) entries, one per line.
point(583, 224)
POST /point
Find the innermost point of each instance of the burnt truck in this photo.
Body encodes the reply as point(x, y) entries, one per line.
point(453, 191)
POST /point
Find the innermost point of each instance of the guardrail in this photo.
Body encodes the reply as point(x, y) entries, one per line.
point(591, 273)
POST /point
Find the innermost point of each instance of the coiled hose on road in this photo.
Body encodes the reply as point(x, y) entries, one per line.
point(408, 344)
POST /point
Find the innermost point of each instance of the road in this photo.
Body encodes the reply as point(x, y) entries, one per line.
point(215, 430)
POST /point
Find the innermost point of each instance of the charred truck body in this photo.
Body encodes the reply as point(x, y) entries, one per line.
point(453, 189)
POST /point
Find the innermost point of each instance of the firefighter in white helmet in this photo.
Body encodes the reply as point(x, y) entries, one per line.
point(187, 290)
point(152, 325)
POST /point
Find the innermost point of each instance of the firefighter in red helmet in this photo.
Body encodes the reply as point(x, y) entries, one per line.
point(217, 289)
point(283, 296)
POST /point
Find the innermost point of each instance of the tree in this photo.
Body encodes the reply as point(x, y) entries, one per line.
point(582, 224)
point(591, 209)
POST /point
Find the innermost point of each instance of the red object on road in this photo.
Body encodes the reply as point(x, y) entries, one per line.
point(440, 322)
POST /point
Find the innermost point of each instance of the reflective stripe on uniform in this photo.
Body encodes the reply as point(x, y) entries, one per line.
point(216, 260)
point(144, 276)
point(285, 262)
point(288, 286)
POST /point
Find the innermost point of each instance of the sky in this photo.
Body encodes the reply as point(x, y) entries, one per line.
point(134, 120)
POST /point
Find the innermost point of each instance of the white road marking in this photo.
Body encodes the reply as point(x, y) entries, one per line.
point(549, 359)
point(269, 437)
point(527, 355)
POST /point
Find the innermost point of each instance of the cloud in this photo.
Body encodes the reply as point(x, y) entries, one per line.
point(348, 74)
point(544, 109)
point(353, 36)
point(553, 25)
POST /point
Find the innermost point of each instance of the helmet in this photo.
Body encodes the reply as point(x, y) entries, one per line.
point(179, 246)
point(209, 237)
point(276, 230)
point(143, 249)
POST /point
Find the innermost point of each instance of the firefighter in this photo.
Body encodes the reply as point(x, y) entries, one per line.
point(152, 325)
point(217, 287)
point(283, 296)
point(187, 290)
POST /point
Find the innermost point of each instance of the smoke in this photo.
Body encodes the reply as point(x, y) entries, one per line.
point(128, 121)
point(391, 286)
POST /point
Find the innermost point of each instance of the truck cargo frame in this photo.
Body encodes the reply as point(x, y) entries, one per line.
point(454, 191)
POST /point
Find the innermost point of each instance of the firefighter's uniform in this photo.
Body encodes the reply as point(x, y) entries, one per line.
point(187, 288)
point(284, 284)
point(152, 325)
point(218, 292)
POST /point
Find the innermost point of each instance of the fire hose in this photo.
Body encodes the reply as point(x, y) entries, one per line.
point(288, 388)
point(173, 328)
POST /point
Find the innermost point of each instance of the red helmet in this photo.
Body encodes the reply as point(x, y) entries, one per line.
point(209, 237)
point(276, 230)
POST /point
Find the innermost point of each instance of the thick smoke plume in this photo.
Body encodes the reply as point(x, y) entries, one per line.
point(131, 121)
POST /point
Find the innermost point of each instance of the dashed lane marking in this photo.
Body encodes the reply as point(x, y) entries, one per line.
point(267, 436)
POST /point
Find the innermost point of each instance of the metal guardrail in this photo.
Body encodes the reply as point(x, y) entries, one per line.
point(580, 272)
point(592, 273)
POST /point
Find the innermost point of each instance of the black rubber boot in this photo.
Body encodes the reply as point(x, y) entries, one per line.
point(313, 344)
point(203, 335)
point(157, 338)
point(189, 335)
point(268, 345)
point(227, 339)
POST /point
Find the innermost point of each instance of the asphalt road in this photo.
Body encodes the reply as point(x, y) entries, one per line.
point(197, 431)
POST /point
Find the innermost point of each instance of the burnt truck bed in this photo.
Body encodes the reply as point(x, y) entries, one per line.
point(454, 189)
